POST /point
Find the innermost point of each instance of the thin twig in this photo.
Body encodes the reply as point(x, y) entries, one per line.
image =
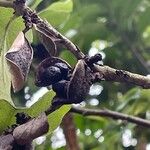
point(136, 52)
point(111, 114)
point(140, 58)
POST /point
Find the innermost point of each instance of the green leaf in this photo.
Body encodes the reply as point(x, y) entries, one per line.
point(129, 98)
point(5, 80)
point(141, 105)
point(143, 19)
point(8, 112)
point(135, 101)
point(69, 57)
point(56, 117)
point(101, 120)
point(12, 32)
point(58, 12)
point(5, 15)
point(8, 32)
point(42, 104)
point(35, 3)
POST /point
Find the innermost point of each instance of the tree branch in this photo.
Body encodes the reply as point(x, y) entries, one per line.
point(108, 73)
point(21, 137)
point(30, 130)
point(7, 4)
point(6, 142)
point(111, 114)
point(111, 74)
point(70, 132)
point(25, 133)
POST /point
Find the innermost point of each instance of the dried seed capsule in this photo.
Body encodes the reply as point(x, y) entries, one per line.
point(95, 58)
point(47, 73)
point(90, 61)
point(64, 69)
point(22, 118)
point(75, 90)
point(80, 83)
point(51, 75)
point(61, 88)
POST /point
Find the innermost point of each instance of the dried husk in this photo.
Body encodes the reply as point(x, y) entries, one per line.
point(19, 58)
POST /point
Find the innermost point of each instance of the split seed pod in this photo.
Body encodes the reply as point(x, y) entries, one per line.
point(46, 39)
point(50, 71)
point(19, 58)
point(80, 82)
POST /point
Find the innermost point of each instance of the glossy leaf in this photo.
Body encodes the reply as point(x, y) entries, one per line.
point(58, 12)
point(8, 32)
point(8, 112)
point(5, 80)
point(35, 4)
point(5, 16)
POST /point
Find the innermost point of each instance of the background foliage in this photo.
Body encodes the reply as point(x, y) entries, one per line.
point(120, 31)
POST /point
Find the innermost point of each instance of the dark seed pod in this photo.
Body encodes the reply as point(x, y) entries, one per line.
point(22, 118)
point(61, 88)
point(90, 61)
point(47, 67)
point(80, 83)
point(51, 75)
point(95, 58)
point(64, 69)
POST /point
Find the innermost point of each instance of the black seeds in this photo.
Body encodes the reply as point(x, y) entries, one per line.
point(64, 69)
point(61, 88)
point(22, 118)
point(52, 75)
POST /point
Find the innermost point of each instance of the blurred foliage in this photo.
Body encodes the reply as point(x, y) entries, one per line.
point(8, 112)
point(118, 29)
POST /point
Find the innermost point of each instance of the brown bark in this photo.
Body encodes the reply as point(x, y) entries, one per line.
point(70, 132)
